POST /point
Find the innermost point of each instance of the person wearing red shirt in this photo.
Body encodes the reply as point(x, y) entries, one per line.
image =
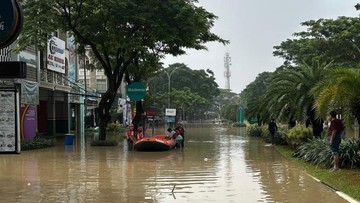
point(140, 133)
point(179, 130)
point(130, 137)
point(334, 138)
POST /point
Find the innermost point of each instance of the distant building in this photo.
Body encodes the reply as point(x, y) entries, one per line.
point(96, 81)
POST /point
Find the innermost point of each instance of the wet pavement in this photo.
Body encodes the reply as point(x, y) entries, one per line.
point(216, 165)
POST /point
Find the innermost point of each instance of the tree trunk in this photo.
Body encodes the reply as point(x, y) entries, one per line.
point(139, 112)
point(291, 122)
point(317, 125)
point(105, 104)
point(104, 117)
point(358, 121)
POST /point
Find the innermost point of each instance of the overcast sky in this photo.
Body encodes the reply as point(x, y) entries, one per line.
point(253, 28)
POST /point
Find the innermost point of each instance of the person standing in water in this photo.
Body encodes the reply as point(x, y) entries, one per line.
point(179, 130)
point(272, 129)
point(130, 137)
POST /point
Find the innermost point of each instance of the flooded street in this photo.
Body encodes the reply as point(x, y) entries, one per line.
point(216, 165)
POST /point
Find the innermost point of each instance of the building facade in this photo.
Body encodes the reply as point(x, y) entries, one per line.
point(56, 99)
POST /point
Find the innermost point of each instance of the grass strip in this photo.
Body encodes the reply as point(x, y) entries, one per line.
point(345, 180)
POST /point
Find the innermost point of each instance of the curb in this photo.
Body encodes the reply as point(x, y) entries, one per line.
point(341, 194)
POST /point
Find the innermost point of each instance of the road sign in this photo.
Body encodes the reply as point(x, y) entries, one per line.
point(136, 91)
point(152, 111)
point(170, 112)
point(169, 119)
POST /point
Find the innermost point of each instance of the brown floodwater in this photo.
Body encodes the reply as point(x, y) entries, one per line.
point(216, 165)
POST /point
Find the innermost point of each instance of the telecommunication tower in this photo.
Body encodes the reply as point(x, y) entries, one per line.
point(227, 73)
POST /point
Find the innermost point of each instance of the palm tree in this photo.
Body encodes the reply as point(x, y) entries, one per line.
point(339, 90)
point(289, 95)
point(253, 98)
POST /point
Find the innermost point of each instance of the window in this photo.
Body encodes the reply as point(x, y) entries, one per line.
point(101, 85)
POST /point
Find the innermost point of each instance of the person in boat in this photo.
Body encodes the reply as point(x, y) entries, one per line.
point(130, 136)
point(179, 130)
point(140, 132)
point(170, 132)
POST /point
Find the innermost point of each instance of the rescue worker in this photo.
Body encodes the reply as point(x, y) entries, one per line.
point(140, 133)
point(179, 130)
point(130, 137)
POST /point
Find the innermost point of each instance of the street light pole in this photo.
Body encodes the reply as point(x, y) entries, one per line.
point(169, 79)
point(85, 83)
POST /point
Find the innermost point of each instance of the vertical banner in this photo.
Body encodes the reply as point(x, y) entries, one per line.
point(72, 58)
point(29, 92)
point(28, 122)
point(9, 111)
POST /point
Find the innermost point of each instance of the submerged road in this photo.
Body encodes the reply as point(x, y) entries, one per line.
point(216, 165)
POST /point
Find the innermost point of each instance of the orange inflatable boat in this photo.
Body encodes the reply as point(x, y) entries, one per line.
point(155, 143)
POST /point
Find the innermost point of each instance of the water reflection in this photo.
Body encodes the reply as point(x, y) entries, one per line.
point(217, 165)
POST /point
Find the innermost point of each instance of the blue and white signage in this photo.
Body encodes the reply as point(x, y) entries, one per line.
point(170, 112)
point(56, 55)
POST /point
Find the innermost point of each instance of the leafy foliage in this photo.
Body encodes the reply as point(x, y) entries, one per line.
point(350, 153)
point(339, 89)
point(298, 135)
point(325, 40)
point(237, 124)
point(289, 93)
point(317, 151)
point(113, 131)
point(120, 33)
point(252, 97)
point(224, 102)
point(115, 128)
point(191, 91)
point(230, 111)
point(279, 136)
point(37, 143)
point(254, 130)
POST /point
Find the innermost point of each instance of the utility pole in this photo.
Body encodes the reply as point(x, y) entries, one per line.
point(169, 90)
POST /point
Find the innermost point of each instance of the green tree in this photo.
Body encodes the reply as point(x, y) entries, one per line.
point(119, 31)
point(200, 83)
point(339, 90)
point(252, 97)
point(190, 103)
point(289, 94)
point(141, 70)
point(222, 102)
point(327, 40)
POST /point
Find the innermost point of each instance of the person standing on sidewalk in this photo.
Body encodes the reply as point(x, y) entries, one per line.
point(334, 138)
